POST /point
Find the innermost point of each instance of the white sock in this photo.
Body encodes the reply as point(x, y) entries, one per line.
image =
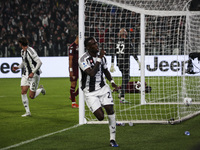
point(112, 126)
point(38, 91)
point(25, 102)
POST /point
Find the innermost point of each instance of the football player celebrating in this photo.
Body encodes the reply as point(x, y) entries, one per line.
point(97, 93)
point(31, 64)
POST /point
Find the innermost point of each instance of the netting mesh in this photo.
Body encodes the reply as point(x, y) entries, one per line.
point(166, 5)
point(191, 82)
point(168, 41)
point(193, 37)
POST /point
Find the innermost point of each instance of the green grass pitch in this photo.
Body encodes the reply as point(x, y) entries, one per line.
point(53, 112)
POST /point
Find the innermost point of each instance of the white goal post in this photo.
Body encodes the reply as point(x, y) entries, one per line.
point(163, 34)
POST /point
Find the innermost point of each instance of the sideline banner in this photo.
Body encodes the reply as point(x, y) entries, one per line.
point(168, 65)
point(51, 67)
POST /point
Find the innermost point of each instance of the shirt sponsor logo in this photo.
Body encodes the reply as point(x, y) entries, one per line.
point(84, 65)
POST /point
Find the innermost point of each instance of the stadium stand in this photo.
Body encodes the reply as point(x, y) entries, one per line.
point(49, 25)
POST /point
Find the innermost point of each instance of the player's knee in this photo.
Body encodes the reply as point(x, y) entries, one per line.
point(100, 117)
point(109, 109)
point(32, 96)
point(23, 92)
point(110, 112)
point(99, 114)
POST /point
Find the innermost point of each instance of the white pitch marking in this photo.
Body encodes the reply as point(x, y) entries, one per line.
point(40, 137)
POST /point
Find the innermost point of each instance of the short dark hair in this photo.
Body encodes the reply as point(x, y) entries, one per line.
point(23, 41)
point(86, 43)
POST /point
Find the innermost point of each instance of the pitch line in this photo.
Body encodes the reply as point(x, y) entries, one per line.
point(37, 138)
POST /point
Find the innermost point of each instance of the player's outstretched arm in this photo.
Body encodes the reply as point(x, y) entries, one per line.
point(18, 67)
point(15, 68)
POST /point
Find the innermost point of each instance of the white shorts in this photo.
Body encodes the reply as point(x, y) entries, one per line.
point(101, 97)
point(31, 82)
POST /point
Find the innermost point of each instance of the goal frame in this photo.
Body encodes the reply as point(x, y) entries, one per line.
point(142, 12)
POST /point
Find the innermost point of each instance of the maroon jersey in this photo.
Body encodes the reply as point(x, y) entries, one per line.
point(73, 51)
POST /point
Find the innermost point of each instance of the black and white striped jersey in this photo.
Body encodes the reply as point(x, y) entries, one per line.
point(30, 59)
point(92, 83)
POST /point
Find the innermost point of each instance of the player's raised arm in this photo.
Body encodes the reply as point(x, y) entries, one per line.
point(92, 47)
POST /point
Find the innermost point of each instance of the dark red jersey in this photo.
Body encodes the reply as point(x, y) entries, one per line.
point(73, 51)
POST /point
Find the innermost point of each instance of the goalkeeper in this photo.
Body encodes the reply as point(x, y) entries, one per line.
point(123, 51)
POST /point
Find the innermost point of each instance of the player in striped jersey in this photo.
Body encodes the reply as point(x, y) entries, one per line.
point(97, 93)
point(30, 65)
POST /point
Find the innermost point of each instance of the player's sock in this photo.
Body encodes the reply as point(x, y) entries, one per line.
point(112, 126)
point(38, 91)
point(25, 102)
point(72, 92)
point(122, 94)
point(77, 92)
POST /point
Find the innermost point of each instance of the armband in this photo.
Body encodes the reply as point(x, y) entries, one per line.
point(112, 81)
point(99, 59)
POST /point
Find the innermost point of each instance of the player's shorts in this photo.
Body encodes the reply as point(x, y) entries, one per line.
point(75, 75)
point(101, 97)
point(31, 82)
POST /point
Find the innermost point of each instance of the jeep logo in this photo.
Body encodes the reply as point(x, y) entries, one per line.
point(6, 68)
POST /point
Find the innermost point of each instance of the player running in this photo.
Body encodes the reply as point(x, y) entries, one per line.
point(31, 64)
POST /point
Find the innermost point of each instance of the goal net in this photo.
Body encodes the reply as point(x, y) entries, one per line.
point(164, 45)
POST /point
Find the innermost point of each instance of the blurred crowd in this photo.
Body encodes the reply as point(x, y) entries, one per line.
point(163, 35)
point(50, 26)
